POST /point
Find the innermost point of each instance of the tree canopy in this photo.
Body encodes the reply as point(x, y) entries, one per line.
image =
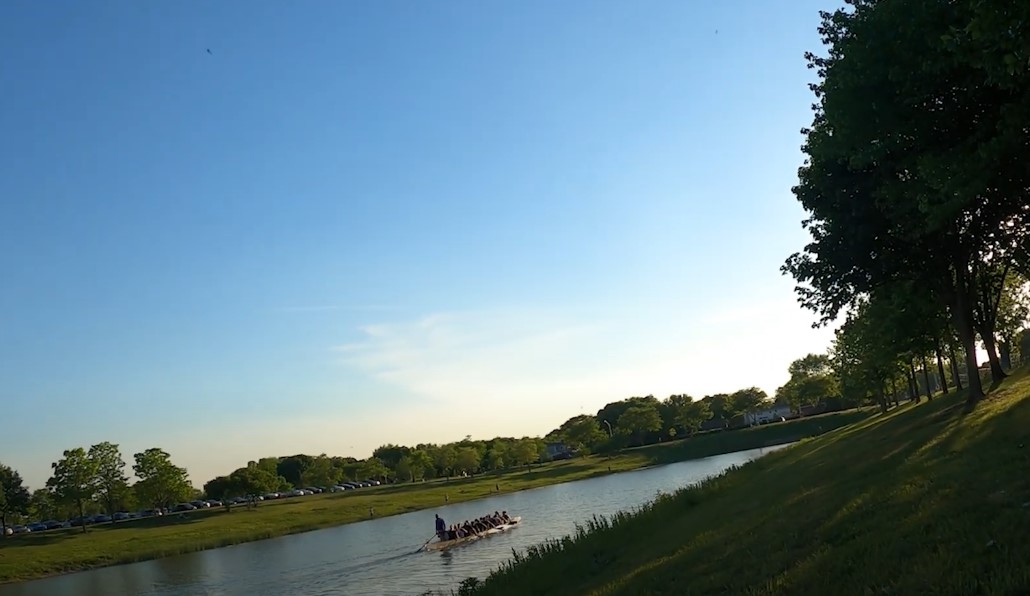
point(14, 497)
point(74, 479)
point(161, 483)
point(111, 483)
point(914, 167)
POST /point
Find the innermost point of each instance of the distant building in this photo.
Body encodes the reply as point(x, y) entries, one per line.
point(769, 414)
point(557, 450)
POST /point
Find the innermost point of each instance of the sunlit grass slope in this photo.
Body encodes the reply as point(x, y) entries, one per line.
point(927, 499)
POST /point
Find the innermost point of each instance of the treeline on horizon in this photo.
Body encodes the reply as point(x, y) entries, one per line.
point(94, 480)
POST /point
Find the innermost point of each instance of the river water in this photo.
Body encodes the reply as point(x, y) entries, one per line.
point(377, 556)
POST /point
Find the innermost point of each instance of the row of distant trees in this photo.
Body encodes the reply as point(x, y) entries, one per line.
point(642, 420)
point(390, 463)
point(85, 481)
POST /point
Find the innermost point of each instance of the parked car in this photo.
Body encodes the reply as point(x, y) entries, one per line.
point(150, 513)
point(37, 527)
point(200, 504)
point(20, 529)
point(121, 516)
point(53, 524)
point(184, 507)
point(101, 519)
point(373, 482)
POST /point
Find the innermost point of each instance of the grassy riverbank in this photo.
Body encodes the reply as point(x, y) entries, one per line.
point(37, 555)
point(924, 500)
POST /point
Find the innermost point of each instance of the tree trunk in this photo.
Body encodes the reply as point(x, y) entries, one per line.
point(82, 517)
point(926, 379)
point(1005, 353)
point(894, 390)
point(997, 373)
point(940, 371)
point(962, 318)
point(913, 386)
point(882, 400)
point(954, 369)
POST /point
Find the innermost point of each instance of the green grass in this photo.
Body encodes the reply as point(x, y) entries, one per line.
point(927, 499)
point(36, 555)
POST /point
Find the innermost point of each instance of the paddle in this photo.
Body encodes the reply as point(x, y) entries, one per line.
point(426, 543)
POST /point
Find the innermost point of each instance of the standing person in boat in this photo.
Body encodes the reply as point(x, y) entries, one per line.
point(441, 528)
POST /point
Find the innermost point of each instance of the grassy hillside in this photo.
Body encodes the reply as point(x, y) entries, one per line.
point(927, 499)
point(36, 555)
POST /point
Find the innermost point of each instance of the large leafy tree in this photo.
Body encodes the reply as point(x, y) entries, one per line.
point(613, 411)
point(524, 452)
point(811, 379)
point(865, 354)
point(74, 480)
point(690, 414)
point(250, 480)
point(292, 468)
point(42, 504)
point(582, 433)
point(639, 420)
point(112, 485)
point(372, 468)
point(746, 401)
point(720, 406)
point(14, 497)
point(467, 460)
point(390, 454)
point(161, 483)
point(444, 458)
point(495, 458)
point(320, 472)
point(406, 469)
point(913, 171)
point(423, 462)
point(669, 409)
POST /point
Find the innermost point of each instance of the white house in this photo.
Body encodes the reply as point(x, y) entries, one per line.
point(768, 414)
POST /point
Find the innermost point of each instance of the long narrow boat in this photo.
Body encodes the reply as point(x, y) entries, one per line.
point(443, 544)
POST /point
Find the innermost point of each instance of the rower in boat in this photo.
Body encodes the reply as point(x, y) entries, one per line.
point(441, 528)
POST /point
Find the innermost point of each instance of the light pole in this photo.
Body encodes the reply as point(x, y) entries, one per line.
point(608, 424)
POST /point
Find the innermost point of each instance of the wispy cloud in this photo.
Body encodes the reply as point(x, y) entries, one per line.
point(486, 357)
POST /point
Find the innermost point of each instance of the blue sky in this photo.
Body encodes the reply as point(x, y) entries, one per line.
point(357, 223)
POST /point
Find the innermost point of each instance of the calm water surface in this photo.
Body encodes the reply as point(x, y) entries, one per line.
point(376, 556)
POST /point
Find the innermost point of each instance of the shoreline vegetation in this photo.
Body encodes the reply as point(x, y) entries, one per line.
point(35, 556)
point(928, 496)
